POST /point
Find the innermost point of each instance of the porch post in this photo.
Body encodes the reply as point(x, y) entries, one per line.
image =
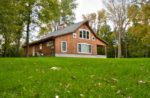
point(106, 51)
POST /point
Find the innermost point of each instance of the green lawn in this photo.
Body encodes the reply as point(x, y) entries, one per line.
point(74, 78)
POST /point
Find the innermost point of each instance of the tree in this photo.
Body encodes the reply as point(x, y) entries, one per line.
point(139, 32)
point(38, 12)
point(49, 12)
point(9, 23)
point(137, 47)
point(28, 6)
point(106, 34)
point(66, 11)
point(92, 17)
point(117, 14)
point(102, 19)
point(99, 21)
point(62, 14)
point(25, 14)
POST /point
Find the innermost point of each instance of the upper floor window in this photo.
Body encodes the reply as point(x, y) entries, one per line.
point(63, 46)
point(84, 34)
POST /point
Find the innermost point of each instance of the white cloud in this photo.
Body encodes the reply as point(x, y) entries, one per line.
point(86, 7)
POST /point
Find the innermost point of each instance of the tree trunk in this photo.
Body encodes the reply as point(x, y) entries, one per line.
point(126, 49)
point(119, 51)
point(5, 46)
point(119, 46)
point(18, 45)
point(27, 39)
point(28, 31)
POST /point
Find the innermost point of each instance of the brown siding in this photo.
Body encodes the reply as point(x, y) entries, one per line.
point(72, 42)
point(45, 49)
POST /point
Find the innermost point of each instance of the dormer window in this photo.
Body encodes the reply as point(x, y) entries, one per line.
point(84, 34)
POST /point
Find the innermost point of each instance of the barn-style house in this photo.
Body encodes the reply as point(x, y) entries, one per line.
point(77, 40)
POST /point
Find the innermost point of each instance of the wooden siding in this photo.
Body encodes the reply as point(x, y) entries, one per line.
point(72, 42)
point(46, 50)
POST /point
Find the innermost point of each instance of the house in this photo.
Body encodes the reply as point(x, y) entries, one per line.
point(77, 40)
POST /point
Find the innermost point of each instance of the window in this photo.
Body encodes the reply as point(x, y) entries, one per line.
point(88, 34)
point(81, 34)
point(40, 46)
point(50, 43)
point(74, 35)
point(63, 46)
point(84, 48)
point(93, 38)
point(84, 34)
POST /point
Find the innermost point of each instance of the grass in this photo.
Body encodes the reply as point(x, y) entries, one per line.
point(74, 78)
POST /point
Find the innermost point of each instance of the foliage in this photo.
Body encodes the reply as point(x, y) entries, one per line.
point(96, 20)
point(106, 34)
point(60, 13)
point(66, 11)
point(99, 21)
point(139, 32)
point(130, 23)
point(11, 23)
point(25, 16)
point(117, 14)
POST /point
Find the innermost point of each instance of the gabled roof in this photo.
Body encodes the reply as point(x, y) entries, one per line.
point(70, 29)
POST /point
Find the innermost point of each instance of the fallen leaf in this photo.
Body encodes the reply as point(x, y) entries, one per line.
point(82, 95)
point(142, 82)
point(55, 68)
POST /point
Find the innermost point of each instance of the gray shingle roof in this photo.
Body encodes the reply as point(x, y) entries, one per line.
point(69, 29)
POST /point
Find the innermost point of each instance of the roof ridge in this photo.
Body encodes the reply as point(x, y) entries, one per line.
point(65, 30)
point(71, 25)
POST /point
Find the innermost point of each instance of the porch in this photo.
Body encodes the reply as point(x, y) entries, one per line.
point(102, 50)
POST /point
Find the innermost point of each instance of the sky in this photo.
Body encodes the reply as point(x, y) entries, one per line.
point(86, 7)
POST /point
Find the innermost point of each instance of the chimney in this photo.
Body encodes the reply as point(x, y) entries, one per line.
point(61, 26)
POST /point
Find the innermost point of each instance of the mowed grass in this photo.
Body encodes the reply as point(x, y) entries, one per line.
point(74, 78)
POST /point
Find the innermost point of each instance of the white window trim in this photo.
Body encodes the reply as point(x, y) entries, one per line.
point(82, 34)
point(62, 47)
point(83, 52)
